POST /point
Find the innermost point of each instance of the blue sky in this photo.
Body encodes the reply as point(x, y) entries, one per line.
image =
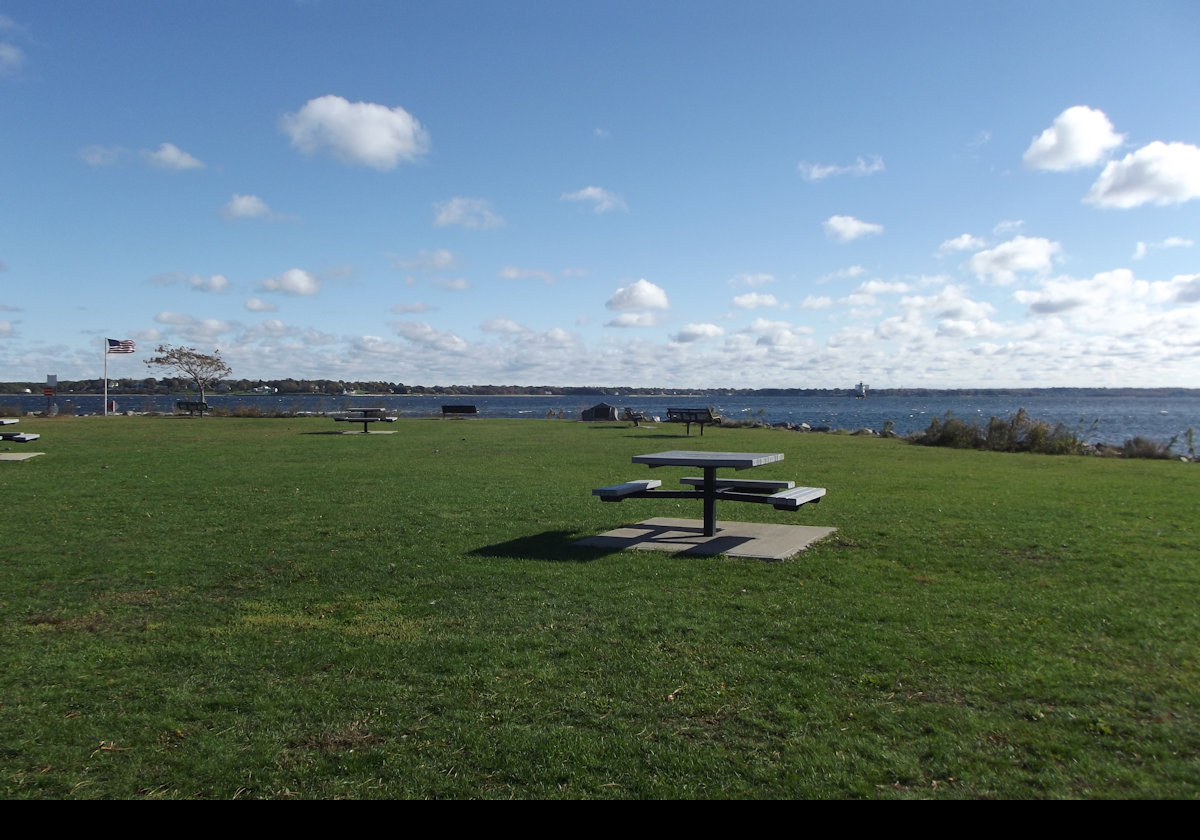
point(676, 194)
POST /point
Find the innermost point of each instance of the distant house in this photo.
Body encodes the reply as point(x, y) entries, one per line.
point(603, 411)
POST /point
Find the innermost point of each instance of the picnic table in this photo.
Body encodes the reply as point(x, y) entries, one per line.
point(782, 495)
point(16, 437)
point(365, 416)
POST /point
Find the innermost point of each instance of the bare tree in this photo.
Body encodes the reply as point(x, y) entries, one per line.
point(202, 368)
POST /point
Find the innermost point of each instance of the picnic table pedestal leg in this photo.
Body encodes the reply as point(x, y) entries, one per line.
point(710, 501)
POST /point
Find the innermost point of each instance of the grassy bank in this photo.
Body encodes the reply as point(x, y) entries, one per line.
point(256, 608)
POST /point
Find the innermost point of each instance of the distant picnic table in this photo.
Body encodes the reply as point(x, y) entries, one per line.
point(366, 416)
point(699, 416)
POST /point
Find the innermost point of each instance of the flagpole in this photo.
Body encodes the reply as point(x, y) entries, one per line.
point(105, 340)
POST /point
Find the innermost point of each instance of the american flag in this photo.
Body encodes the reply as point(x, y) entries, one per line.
point(120, 346)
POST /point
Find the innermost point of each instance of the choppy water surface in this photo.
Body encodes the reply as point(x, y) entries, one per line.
point(1095, 418)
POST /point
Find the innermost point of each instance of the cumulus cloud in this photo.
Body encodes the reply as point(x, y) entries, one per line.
point(419, 332)
point(246, 207)
point(505, 326)
point(214, 283)
point(962, 242)
point(1159, 173)
point(511, 272)
point(11, 58)
point(471, 213)
point(817, 171)
point(1080, 136)
point(407, 308)
point(6, 328)
point(1021, 254)
point(170, 156)
point(602, 200)
point(697, 332)
point(751, 280)
point(635, 319)
point(1144, 248)
point(452, 284)
point(754, 300)
point(848, 228)
point(816, 302)
point(96, 155)
point(359, 133)
point(260, 305)
point(427, 262)
point(639, 295)
point(294, 281)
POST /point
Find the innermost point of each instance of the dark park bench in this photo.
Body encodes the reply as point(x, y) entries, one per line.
point(191, 407)
point(700, 416)
point(458, 410)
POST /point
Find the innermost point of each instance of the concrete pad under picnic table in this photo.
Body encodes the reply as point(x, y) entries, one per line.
point(735, 539)
point(19, 456)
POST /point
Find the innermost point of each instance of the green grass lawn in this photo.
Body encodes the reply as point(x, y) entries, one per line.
point(255, 608)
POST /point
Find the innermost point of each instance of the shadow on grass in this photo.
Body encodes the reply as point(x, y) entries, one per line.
point(549, 546)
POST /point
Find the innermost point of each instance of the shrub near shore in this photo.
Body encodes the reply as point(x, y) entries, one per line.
point(240, 608)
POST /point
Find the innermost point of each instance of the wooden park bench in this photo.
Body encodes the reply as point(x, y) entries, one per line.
point(700, 416)
point(458, 410)
point(191, 407)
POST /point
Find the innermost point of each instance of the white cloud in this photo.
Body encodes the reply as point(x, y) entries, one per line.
point(357, 132)
point(1079, 137)
point(1144, 248)
point(428, 262)
point(751, 280)
point(1159, 173)
point(817, 171)
point(246, 207)
point(6, 328)
point(407, 308)
point(170, 156)
point(816, 302)
point(452, 284)
point(963, 242)
point(635, 319)
point(11, 58)
point(419, 332)
point(511, 272)
point(294, 281)
point(173, 318)
point(101, 155)
point(215, 283)
point(754, 300)
point(1021, 254)
point(882, 287)
point(843, 273)
point(697, 332)
point(639, 295)
point(602, 200)
point(505, 326)
point(1185, 288)
point(848, 228)
point(260, 305)
point(471, 213)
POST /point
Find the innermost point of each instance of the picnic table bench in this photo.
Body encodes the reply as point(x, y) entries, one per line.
point(365, 416)
point(699, 416)
point(191, 407)
point(16, 437)
point(782, 495)
point(459, 409)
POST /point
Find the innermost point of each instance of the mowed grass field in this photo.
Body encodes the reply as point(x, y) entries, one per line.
point(256, 608)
